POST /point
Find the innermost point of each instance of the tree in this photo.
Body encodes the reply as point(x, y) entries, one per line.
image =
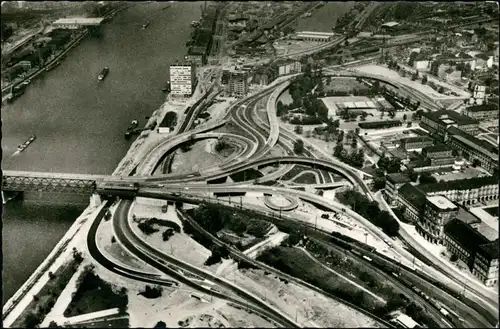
point(476, 163)
point(454, 258)
point(454, 152)
point(379, 179)
point(424, 79)
point(298, 129)
point(405, 117)
point(427, 178)
point(53, 324)
point(441, 90)
point(337, 151)
point(32, 320)
point(346, 43)
point(298, 146)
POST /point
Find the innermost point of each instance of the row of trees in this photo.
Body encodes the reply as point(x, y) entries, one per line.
point(369, 210)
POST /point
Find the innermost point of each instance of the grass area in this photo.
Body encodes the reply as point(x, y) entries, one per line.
point(43, 302)
point(493, 211)
point(115, 323)
point(94, 294)
point(297, 169)
point(246, 175)
point(361, 273)
point(150, 225)
point(306, 178)
point(224, 222)
point(295, 262)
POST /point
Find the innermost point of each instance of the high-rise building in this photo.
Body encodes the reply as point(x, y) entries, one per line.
point(238, 83)
point(182, 79)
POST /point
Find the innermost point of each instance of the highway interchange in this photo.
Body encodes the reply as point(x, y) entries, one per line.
point(264, 136)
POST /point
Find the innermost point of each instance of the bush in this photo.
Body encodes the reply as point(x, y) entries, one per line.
point(151, 292)
point(147, 228)
point(169, 232)
point(160, 324)
point(217, 254)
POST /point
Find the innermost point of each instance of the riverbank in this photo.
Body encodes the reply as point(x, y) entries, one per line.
point(70, 46)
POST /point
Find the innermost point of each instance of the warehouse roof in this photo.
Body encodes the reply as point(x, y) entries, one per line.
point(447, 114)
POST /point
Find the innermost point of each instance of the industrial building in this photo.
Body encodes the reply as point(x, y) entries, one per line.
point(182, 79)
point(76, 23)
point(314, 36)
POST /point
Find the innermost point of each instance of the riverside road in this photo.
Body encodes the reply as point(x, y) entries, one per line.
point(78, 120)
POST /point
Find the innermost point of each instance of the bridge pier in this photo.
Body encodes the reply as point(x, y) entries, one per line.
point(95, 200)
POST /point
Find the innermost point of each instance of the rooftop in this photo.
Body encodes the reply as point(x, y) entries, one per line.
point(390, 24)
point(437, 148)
point(416, 139)
point(398, 178)
point(413, 195)
point(464, 234)
point(460, 184)
point(483, 107)
point(407, 321)
point(475, 142)
point(441, 202)
point(318, 34)
point(490, 249)
point(467, 217)
point(80, 20)
point(447, 114)
point(486, 231)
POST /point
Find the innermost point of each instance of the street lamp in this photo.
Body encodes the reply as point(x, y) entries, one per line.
point(366, 238)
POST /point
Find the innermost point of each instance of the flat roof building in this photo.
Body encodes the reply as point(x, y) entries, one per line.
point(315, 36)
point(76, 22)
point(182, 79)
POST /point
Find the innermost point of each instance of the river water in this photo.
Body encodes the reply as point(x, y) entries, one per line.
point(80, 122)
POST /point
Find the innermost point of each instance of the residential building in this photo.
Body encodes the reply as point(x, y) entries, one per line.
point(416, 143)
point(393, 183)
point(238, 83)
point(422, 64)
point(438, 211)
point(439, 154)
point(486, 263)
point(475, 249)
point(438, 122)
point(314, 36)
point(182, 79)
point(413, 202)
point(482, 112)
point(463, 241)
point(474, 149)
point(288, 67)
point(464, 191)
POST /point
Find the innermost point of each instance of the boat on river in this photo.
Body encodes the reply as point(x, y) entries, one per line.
point(103, 73)
point(23, 146)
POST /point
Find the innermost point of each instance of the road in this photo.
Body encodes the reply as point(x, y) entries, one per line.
point(131, 242)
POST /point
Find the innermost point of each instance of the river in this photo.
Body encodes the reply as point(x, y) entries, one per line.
point(80, 122)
